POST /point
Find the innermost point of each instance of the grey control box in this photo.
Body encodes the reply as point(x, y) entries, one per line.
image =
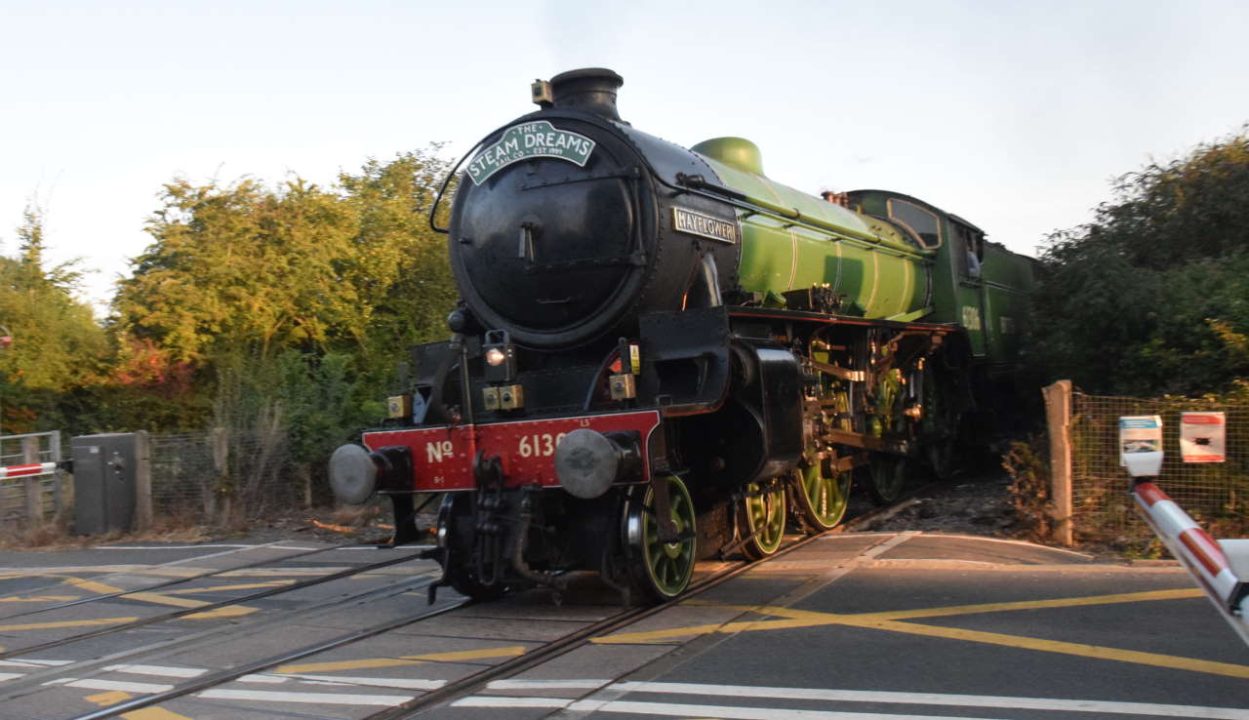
point(104, 482)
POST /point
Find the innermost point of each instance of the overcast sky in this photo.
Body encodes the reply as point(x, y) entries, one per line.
point(1015, 115)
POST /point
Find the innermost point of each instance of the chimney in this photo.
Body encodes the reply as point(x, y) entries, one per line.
point(591, 90)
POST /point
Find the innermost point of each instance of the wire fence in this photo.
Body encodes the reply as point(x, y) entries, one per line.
point(1215, 494)
point(219, 476)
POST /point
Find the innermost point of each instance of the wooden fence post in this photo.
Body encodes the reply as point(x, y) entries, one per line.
point(142, 481)
point(1058, 422)
point(58, 480)
point(221, 466)
point(32, 484)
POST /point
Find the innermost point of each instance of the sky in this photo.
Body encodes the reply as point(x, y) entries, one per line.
point(1015, 115)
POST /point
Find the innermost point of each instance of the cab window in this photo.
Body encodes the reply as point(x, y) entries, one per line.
point(923, 224)
point(971, 244)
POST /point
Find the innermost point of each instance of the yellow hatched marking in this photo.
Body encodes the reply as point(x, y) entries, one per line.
point(67, 624)
point(154, 714)
point(159, 599)
point(106, 699)
point(889, 621)
point(164, 599)
point(38, 598)
point(230, 611)
point(808, 618)
point(1087, 601)
point(92, 586)
point(111, 697)
point(453, 656)
point(1173, 662)
point(240, 586)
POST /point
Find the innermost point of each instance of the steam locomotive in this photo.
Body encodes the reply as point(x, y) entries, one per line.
point(661, 354)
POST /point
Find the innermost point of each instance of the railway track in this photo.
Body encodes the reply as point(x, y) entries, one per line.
point(274, 621)
point(166, 584)
point(411, 622)
point(514, 667)
point(214, 679)
point(121, 627)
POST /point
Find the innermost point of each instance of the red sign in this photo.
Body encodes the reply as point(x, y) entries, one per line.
point(442, 456)
point(1203, 437)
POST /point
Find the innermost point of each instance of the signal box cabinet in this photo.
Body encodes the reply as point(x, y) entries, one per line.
point(104, 482)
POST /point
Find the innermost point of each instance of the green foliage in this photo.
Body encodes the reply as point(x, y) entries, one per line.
point(1027, 463)
point(290, 305)
point(58, 348)
point(1152, 297)
point(276, 310)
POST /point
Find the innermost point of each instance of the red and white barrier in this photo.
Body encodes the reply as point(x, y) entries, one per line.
point(15, 471)
point(1221, 568)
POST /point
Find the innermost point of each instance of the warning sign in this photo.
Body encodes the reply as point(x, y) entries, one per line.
point(1202, 437)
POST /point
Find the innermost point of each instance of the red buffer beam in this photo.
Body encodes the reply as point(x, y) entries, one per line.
point(1220, 567)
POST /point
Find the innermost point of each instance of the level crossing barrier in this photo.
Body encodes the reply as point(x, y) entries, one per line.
point(33, 469)
point(31, 478)
point(1220, 567)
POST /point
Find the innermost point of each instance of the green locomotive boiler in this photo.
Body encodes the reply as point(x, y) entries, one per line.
point(661, 354)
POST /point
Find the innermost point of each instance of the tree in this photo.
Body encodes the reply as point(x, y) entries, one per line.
point(266, 295)
point(58, 347)
point(1153, 295)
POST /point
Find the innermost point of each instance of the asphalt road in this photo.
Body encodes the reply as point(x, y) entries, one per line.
point(901, 625)
point(853, 626)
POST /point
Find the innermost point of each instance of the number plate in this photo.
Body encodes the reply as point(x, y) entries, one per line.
point(442, 457)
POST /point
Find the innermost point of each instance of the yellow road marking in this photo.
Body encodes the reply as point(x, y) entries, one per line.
point(240, 586)
point(889, 622)
point(1173, 662)
point(163, 599)
point(1146, 596)
point(92, 586)
point(228, 611)
point(105, 699)
point(38, 598)
point(807, 618)
point(111, 697)
point(453, 656)
point(159, 599)
point(67, 624)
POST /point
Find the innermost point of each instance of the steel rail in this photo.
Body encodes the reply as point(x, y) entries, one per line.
point(13, 688)
point(143, 622)
point(580, 637)
point(178, 581)
point(221, 677)
point(473, 682)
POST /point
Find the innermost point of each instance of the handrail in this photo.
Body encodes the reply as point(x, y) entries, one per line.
point(790, 215)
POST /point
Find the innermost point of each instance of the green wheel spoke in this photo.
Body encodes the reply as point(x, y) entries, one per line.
point(888, 477)
point(764, 512)
point(822, 495)
point(664, 569)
